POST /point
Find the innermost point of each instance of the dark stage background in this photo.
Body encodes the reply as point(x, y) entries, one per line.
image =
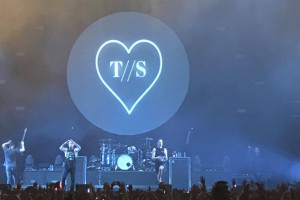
point(244, 78)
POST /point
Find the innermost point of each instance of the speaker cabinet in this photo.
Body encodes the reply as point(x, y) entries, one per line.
point(180, 172)
point(80, 173)
point(80, 176)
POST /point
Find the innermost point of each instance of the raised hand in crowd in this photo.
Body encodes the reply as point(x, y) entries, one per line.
point(245, 195)
point(203, 185)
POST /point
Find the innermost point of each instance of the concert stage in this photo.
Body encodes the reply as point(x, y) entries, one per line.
point(128, 177)
point(96, 177)
point(142, 179)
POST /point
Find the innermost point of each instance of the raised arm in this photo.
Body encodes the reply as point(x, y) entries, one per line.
point(153, 154)
point(166, 153)
point(77, 146)
point(22, 149)
point(62, 147)
point(4, 145)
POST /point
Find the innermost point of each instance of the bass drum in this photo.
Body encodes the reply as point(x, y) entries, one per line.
point(124, 162)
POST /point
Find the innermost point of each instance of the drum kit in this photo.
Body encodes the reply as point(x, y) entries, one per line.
point(119, 157)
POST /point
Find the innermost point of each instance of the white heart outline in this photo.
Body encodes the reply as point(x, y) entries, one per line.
point(129, 111)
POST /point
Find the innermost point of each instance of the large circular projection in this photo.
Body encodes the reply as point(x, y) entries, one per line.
point(128, 73)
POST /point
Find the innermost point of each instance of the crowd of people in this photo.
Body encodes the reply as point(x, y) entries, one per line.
point(120, 191)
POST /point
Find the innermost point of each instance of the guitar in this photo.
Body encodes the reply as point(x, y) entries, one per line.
point(24, 134)
point(162, 158)
point(23, 138)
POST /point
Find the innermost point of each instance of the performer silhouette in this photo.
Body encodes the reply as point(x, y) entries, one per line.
point(70, 149)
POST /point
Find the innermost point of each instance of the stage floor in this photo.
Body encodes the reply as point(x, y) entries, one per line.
point(139, 179)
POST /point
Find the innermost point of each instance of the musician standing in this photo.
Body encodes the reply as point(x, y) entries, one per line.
point(10, 153)
point(70, 149)
point(160, 157)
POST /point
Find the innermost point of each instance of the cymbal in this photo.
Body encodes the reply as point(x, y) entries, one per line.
point(106, 140)
point(119, 145)
point(143, 145)
point(147, 138)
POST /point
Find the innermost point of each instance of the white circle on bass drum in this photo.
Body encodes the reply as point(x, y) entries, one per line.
point(124, 162)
